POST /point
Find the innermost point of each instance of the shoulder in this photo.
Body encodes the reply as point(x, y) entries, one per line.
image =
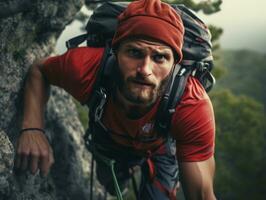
point(83, 55)
point(74, 57)
point(193, 124)
point(86, 51)
point(194, 99)
point(194, 92)
point(194, 96)
point(75, 71)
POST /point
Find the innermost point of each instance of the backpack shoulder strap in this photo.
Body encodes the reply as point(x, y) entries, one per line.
point(101, 86)
point(100, 91)
point(170, 99)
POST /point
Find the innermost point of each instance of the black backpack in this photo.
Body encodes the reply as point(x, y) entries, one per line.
point(197, 58)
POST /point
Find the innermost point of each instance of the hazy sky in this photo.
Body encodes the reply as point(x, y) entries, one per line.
point(243, 22)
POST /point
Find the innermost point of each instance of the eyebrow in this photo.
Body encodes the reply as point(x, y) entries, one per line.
point(166, 50)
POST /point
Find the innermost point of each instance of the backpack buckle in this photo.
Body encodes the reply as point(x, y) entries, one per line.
point(87, 139)
point(99, 109)
point(76, 41)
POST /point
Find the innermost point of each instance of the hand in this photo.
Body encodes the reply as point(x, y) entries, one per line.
point(34, 152)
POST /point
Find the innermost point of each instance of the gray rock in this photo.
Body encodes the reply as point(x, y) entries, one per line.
point(28, 31)
point(6, 164)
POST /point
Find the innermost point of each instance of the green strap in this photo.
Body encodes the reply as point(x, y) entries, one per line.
point(110, 162)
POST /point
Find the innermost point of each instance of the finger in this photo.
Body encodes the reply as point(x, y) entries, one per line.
point(34, 164)
point(44, 163)
point(18, 158)
point(17, 161)
point(22, 153)
point(51, 157)
point(24, 162)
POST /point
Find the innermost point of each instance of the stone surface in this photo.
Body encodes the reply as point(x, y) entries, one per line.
point(6, 164)
point(28, 31)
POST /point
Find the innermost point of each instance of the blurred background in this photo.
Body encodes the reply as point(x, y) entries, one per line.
point(239, 46)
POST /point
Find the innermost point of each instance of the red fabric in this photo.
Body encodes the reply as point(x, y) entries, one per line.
point(170, 193)
point(154, 19)
point(75, 71)
point(116, 120)
point(151, 169)
point(152, 172)
point(192, 124)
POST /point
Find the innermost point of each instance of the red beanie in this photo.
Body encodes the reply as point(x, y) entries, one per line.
point(154, 19)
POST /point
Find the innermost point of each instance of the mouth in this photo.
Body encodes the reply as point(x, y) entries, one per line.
point(143, 83)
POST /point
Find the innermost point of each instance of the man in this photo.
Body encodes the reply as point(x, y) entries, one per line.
point(147, 45)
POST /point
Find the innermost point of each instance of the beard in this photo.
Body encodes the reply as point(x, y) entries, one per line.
point(140, 90)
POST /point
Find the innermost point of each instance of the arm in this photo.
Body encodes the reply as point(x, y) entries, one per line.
point(194, 128)
point(33, 149)
point(197, 179)
point(73, 71)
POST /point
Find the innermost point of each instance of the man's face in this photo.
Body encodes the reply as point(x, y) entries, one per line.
point(144, 68)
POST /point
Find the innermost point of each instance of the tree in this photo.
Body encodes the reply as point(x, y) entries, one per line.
point(246, 75)
point(240, 147)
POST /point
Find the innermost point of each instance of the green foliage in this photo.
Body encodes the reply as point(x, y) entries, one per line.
point(207, 7)
point(245, 73)
point(82, 114)
point(210, 7)
point(240, 147)
point(218, 70)
point(189, 3)
point(216, 33)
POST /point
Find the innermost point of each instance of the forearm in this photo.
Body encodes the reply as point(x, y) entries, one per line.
point(199, 193)
point(33, 149)
point(36, 95)
point(197, 179)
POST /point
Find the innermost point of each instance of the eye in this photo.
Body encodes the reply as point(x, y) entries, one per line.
point(159, 58)
point(135, 53)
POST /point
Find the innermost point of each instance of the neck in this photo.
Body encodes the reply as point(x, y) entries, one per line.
point(131, 110)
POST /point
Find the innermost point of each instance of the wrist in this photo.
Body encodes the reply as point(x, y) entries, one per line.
point(32, 129)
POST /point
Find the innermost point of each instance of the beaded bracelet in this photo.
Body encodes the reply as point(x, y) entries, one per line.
point(32, 129)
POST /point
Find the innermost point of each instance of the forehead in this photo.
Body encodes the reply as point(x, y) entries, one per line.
point(146, 44)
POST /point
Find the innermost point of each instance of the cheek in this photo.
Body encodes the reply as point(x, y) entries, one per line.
point(161, 73)
point(126, 68)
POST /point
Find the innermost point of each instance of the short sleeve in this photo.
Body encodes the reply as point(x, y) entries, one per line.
point(193, 125)
point(75, 71)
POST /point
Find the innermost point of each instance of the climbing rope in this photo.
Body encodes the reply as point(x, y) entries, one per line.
point(109, 162)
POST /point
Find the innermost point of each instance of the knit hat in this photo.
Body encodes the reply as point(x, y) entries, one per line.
point(152, 19)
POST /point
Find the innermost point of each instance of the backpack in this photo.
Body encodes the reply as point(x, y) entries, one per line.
point(197, 59)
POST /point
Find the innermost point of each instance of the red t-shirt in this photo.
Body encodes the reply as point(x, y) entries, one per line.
point(193, 124)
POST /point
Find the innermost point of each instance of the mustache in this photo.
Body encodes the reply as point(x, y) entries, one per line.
point(141, 80)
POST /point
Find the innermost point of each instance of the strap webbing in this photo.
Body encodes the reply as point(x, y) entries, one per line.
point(92, 177)
point(170, 100)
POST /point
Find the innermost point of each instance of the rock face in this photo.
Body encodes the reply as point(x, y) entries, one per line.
point(28, 31)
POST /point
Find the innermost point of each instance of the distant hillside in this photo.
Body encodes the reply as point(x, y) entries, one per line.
point(245, 73)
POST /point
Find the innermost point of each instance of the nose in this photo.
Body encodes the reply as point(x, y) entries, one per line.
point(145, 66)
